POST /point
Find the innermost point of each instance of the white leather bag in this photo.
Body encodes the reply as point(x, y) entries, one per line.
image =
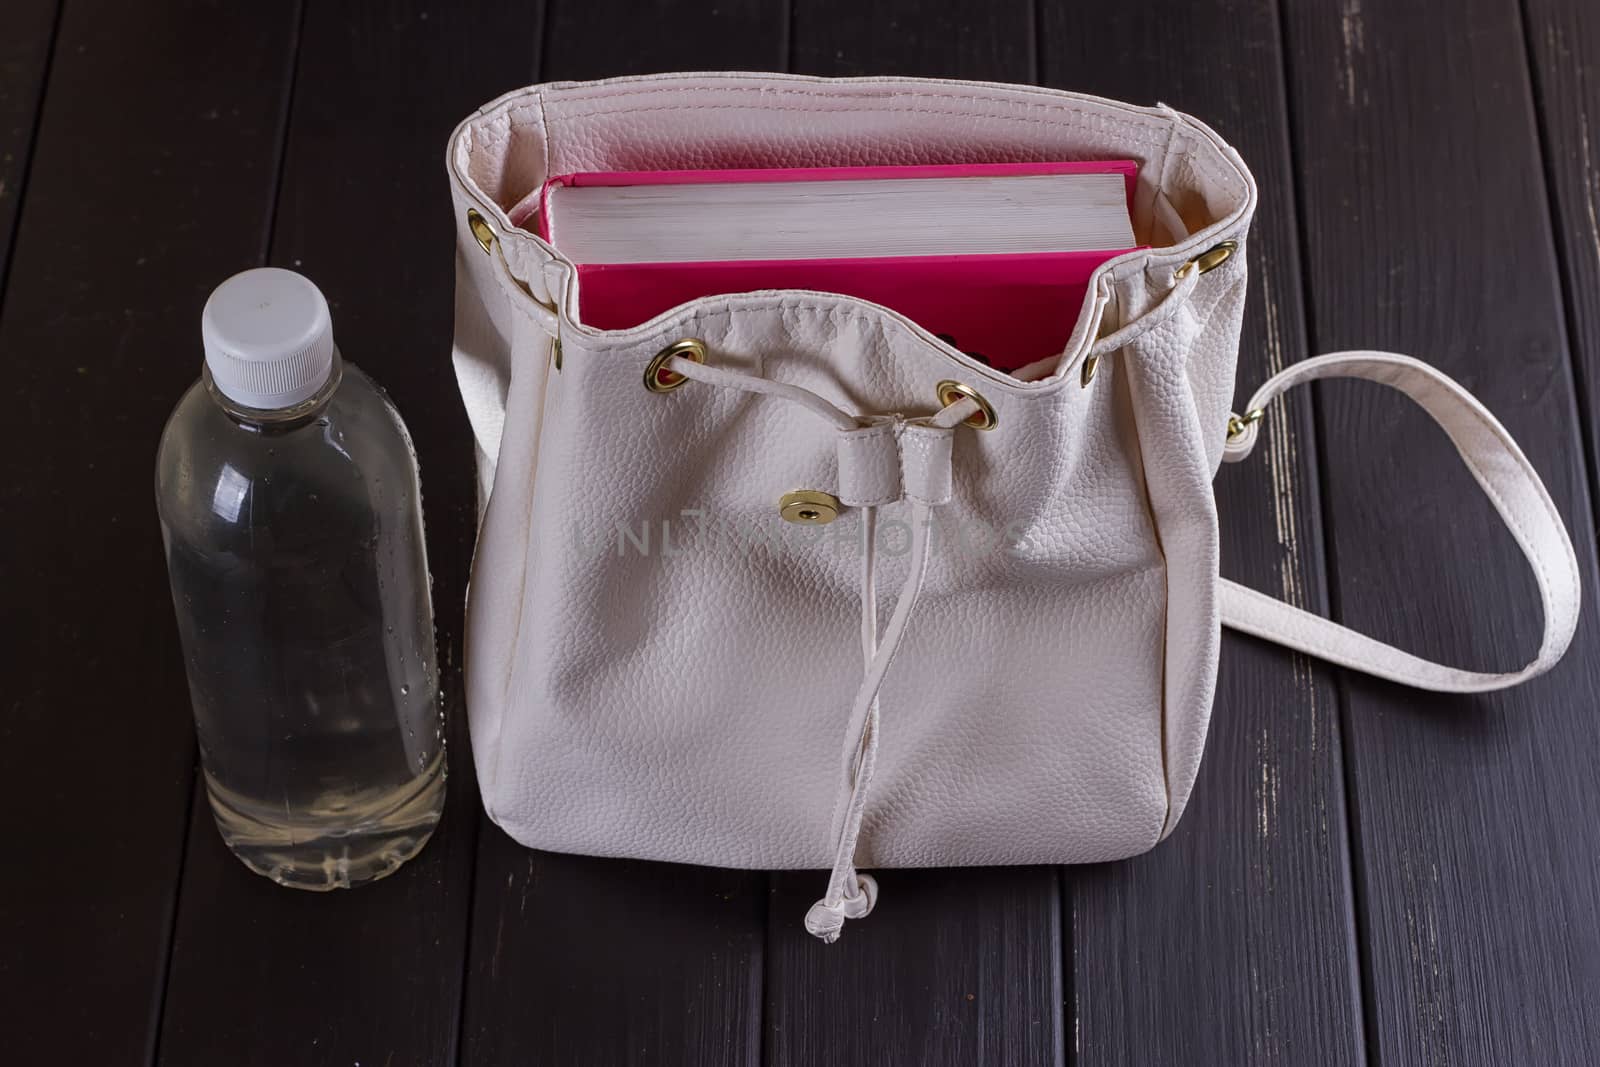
point(661, 665)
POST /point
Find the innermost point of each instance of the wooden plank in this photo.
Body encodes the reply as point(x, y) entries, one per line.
point(1233, 941)
point(1564, 46)
point(27, 30)
point(266, 975)
point(594, 961)
point(956, 966)
point(610, 38)
point(603, 961)
point(1477, 821)
point(1564, 42)
point(144, 190)
point(956, 39)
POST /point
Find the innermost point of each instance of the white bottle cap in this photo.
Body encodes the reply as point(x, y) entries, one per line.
point(268, 338)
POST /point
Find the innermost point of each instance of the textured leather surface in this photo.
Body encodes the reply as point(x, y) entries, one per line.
point(686, 700)
point(869, 464)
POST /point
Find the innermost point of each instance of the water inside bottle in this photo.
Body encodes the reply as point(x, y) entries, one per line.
point(304, 610)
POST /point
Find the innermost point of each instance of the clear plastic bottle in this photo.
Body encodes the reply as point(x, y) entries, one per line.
point(288, 493)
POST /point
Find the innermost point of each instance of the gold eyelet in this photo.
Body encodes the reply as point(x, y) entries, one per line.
point(1209, 260)
point(480, 229)
point(658, 379)
point(809, 507)
point(1090, 365)
point(1238, 424)
point(951, 391)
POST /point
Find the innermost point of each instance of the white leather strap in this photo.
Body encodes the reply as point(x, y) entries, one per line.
point(1505, 475)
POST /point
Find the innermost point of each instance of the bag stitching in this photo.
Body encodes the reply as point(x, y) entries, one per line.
point(1231, 179)
point(1070, 111)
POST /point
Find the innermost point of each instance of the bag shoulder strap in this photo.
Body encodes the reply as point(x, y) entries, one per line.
point(1499, 467)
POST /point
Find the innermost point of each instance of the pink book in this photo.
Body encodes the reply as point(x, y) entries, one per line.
point(1005, 308)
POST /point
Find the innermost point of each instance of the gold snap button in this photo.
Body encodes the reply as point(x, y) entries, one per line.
point(480, 229)
point(659, 379)
point(809, 507)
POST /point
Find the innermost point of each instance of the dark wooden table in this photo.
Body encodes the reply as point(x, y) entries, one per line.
point(1365, 873)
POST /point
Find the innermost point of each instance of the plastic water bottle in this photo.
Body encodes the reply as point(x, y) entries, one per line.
point(288, 493)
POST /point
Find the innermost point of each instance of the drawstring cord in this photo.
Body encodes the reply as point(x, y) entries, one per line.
point(923, 451)
point(920, 472)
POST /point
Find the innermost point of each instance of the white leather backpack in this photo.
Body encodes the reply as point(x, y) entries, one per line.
point(1003, 646)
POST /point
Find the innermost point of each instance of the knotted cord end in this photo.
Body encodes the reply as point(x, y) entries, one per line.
point(824, 921)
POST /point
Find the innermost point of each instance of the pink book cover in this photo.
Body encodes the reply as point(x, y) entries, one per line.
point(1007, 310)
